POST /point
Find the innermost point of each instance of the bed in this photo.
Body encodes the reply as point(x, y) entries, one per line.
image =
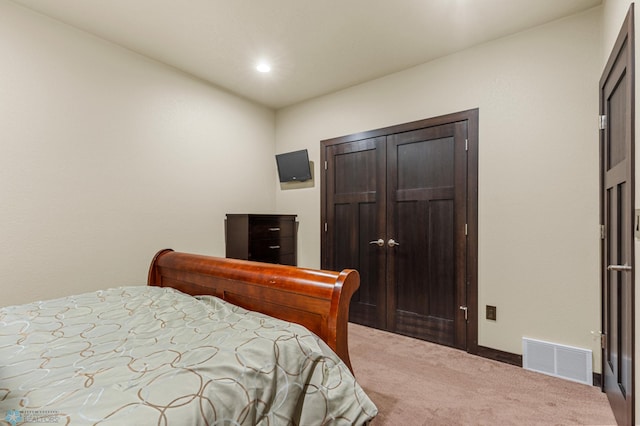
point(209, 341)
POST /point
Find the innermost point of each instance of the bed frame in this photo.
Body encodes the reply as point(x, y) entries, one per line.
point(316, 299)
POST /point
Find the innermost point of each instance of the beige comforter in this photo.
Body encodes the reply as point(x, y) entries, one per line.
point(149, 355)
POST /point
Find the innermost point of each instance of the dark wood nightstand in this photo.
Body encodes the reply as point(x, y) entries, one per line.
point(270, 238)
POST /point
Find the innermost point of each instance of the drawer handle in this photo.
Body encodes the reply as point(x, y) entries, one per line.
point(274, 247)
point(274, 229)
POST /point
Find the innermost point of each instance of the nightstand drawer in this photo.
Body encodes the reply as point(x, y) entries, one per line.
point(271, 229)
point(282, 259)
point(267, 247)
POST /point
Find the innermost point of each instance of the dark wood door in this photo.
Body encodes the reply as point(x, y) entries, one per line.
point(617, 207)
point(356, 209)
point(395, 207)
point(426, 217)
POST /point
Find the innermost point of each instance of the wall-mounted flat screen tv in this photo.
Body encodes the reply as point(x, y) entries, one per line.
point(293, 166)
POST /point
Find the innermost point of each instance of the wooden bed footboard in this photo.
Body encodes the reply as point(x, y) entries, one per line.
point(316, 299)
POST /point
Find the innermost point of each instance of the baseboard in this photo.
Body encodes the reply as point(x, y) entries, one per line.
point(498, 355)
point(515, 359)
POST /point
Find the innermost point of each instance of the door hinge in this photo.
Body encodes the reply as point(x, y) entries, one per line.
point(603, 341)
point(325, 227)
point(602, 232)
point(466, 144)
point(602, 122)
point(466, 229)
point(325, 165)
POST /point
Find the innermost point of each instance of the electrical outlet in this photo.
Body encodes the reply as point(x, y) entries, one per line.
point(491, 312)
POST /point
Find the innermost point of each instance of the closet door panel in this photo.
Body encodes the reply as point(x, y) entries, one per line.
point(412, 232)
point(441, 277)
point(422, 198)
point(356, 205)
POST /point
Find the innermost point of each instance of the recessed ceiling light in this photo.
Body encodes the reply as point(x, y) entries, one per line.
point(263, 67)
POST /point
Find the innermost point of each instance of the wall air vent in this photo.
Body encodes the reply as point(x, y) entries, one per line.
point(557, 360)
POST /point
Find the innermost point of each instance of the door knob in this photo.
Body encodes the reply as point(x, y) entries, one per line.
point(379, 242)
point(619, 267)
point(392, 243)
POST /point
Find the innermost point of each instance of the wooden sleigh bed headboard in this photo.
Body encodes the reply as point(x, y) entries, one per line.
point(316, 299)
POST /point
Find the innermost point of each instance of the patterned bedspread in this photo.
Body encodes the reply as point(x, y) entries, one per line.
point(155, 356)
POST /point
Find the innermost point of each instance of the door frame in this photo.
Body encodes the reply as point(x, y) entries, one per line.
point(626, 37)
point(471, 117)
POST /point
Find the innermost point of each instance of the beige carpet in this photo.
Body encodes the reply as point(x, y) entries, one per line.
point(419, 383)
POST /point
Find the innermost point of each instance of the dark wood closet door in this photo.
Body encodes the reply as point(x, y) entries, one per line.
point(356, 206)
point(395, 204)
point(617, 205)
point(426, 216)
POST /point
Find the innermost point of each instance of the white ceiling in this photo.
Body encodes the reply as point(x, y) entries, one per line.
point(314, 46)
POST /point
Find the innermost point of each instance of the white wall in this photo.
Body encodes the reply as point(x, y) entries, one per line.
point(107, 157)
point(538, 170)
